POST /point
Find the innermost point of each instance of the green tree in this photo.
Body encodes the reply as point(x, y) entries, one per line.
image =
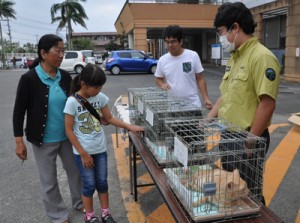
point(30, 47)
point(6, 11)
point(123, 40)
point(119, 43)
point(83, 44)
point(112, 45)
point(10, 46)
point(70, 11)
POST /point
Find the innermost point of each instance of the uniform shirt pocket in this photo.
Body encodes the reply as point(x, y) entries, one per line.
point(239, 87)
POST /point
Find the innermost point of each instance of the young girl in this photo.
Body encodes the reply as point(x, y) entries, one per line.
point(87, 136)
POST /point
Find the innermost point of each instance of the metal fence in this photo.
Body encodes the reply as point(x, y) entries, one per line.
point(20, 55)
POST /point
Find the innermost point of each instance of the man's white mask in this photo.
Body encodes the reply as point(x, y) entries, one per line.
point(226, 44)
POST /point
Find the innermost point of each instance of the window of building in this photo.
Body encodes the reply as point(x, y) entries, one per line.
point(274, 32)
point(282, 34)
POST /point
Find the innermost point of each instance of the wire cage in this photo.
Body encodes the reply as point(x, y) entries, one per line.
point(158, 147)
point(156, 112)
point(159, 110)
point(133, 95)
point(217, 168)
point(151, 96)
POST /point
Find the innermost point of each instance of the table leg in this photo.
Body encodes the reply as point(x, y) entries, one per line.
point(130, 165)
point(117, 138)
point(134, 173)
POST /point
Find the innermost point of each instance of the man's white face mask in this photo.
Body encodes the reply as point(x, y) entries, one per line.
point(226, 44)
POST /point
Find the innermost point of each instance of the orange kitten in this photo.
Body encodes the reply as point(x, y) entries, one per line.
point(227, 189)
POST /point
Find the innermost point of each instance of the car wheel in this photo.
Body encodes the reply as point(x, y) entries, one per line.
point(78, 69)
point(115, 70)
point(153, 69)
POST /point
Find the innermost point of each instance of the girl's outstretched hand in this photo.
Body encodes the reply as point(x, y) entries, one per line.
point(136, 128)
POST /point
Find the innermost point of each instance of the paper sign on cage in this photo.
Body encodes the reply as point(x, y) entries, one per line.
point(140, 106)
point(181, 152)
point(149, 116)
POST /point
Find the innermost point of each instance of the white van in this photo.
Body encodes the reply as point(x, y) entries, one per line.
point(89, 55)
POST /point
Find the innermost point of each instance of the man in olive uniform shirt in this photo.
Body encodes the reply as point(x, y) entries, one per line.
point(250, 84)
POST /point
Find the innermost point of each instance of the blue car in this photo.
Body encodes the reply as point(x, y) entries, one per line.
point(129, 61)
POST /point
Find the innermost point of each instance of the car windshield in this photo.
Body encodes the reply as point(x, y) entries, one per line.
point(88, 53)
point(138, 55)
point(110, 54)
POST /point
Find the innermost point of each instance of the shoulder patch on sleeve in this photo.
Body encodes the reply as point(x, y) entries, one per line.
point(270, 74)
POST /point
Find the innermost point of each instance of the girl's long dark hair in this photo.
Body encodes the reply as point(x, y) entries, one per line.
point(91, 74)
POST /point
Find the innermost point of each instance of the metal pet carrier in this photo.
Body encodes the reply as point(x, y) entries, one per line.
point(156, 112)
point(133, 95)
point(217, 168)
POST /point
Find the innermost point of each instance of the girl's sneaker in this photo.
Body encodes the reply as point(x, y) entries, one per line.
point(108, 219)
point(93, 220)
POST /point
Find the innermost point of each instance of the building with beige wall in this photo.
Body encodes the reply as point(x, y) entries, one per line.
point(143, 23)
point(99, 39)
point(278, 27)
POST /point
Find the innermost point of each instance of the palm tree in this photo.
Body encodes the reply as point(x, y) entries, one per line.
point(70, 11)
point(6, 11)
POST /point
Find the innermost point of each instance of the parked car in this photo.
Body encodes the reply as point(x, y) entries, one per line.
point(129, 61)
point(89, 55)
point(18, 62)
point(74, 61)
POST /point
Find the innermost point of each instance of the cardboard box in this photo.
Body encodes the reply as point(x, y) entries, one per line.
point(295, 119)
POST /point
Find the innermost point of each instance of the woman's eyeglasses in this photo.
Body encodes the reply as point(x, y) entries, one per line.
point(58, 52)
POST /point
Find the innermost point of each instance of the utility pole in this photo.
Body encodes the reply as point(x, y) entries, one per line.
point(37, 41)
point(37, 38)
point(2, 45)
point(3, 59)
point(9, 34)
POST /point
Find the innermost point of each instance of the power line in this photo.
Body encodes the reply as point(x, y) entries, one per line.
point(31, 26)
point(32, 20)
point(15, 35)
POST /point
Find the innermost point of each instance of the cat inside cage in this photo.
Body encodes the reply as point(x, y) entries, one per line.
point(223, 180)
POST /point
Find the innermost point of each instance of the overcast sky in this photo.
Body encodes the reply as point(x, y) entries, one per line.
point(33, 19)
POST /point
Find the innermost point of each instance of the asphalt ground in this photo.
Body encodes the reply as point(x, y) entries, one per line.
point(19, 185)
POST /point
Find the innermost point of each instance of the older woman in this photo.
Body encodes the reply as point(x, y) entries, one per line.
point(41, 95)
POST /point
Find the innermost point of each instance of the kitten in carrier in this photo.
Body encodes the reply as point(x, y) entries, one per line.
point(220, 187)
